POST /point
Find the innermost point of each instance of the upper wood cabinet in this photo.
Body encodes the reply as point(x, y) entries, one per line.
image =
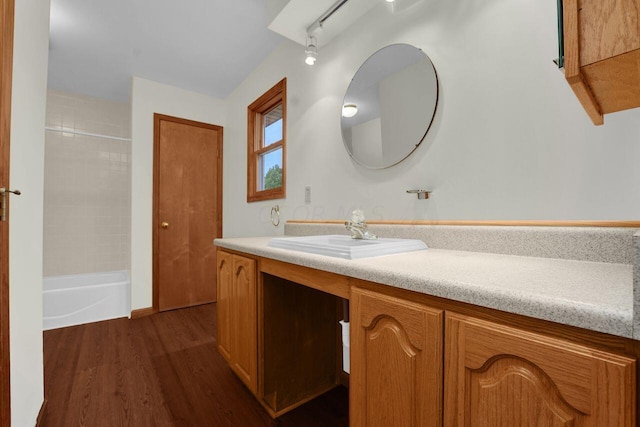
point(602, 54)
point(501, 376)
point(396, 371)
point(237, 316)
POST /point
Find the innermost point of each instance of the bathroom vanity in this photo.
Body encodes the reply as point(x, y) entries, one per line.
point(438, 336)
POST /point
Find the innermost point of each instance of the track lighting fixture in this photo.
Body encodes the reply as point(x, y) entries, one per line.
point(311, 50)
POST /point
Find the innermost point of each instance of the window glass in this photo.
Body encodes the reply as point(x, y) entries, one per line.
point(271, 169)
point(273, 126)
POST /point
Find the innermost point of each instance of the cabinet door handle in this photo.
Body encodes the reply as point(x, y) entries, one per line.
point(164, 224)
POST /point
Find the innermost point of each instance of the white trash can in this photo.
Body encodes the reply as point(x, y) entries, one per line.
point(345, 346)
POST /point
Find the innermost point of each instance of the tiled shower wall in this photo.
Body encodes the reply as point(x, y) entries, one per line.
point(87, 188)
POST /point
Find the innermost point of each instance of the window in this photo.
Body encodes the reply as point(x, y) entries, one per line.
point(266, 136)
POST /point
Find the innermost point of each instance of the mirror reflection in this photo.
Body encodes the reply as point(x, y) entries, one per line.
point(389, 106)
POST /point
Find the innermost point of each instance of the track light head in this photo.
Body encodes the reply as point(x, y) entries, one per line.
point(311, 50)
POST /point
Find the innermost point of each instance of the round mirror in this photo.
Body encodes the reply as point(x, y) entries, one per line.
point(389, 106)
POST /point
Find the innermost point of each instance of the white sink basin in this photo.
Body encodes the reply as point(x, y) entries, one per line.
point(345, 247)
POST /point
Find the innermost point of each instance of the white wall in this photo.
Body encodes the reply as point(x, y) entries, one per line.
point(147, 98)
point(509, 141)
point(29, 95)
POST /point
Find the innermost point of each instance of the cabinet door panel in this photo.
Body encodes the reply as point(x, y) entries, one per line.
point(607, 28)
point(224, 304)
point(501, 376)
point(244, 360)
point(514, 383)
point(396, 372)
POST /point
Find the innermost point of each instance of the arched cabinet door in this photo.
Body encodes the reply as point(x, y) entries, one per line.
point(224, 304)
point(237, 321)
point(396, 371)
point(245, 362)
point(500, 376)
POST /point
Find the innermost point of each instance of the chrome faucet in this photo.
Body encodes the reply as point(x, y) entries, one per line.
point(358, 226)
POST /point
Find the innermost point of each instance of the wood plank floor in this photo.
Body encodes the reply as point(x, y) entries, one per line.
point(160, 370)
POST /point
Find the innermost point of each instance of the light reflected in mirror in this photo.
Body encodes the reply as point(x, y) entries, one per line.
point(389, 106)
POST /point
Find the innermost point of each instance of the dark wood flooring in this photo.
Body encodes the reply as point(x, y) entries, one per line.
point(160, 370)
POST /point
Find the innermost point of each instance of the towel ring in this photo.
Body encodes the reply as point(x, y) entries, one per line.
point(275, 219)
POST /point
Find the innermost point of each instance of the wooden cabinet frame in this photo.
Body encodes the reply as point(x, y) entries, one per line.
point(616, 355)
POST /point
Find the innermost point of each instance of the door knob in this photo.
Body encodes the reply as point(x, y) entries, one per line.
point(3, 201)
point(4, 190)
point(164, 225)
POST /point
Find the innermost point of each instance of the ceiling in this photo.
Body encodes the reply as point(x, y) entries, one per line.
point(207, 46)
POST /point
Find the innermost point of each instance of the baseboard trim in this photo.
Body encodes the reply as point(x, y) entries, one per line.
point(43, 413)
point(142, 312)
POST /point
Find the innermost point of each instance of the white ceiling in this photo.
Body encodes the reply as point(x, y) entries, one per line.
point(207, 46)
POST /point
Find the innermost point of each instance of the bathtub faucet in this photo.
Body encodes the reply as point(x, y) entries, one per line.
point(358, 226)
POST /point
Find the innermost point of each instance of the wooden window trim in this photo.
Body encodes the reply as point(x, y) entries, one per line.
point(277, 94)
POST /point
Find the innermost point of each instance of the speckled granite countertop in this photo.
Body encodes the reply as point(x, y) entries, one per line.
point(591, 295)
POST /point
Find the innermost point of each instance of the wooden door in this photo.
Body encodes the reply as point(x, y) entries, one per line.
point(188, 201)
point(396, 371)
point(6, 64)
point(499, 376)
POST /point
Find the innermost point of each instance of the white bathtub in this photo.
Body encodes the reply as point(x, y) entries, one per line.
point(83, 298)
